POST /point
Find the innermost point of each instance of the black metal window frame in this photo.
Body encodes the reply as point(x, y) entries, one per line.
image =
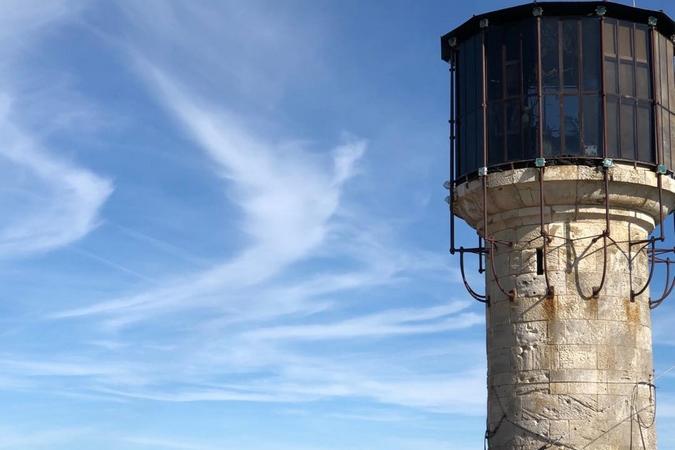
point(634, 106)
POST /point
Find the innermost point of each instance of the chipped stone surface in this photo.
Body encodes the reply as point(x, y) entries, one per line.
point(564, 369)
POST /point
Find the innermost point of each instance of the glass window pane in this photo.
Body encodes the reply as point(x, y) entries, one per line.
point(470, 149)
point(591, 54)
point(515, 146)
point(512, 79)
point(513, 130)
point(625, 44)
point(627, 131)
point(462, 73)
point(475, 62)
point(644, 134)
point(530, 127)
point(608, 31)
point(641, 46)
point(665, 132)
point(626, 81)
point(494, 58)
point(571, 125)
point(496, 133)
point(551, 125)
point(529, 64)
point(549, 54)
point(570, 47)
point(667, 152)
point(592, 138)
point(512, 43)
point(612, 127)
point(665, 66)
point(611, 80)
point(643, 81)
point(479, 140)
point(671, 74)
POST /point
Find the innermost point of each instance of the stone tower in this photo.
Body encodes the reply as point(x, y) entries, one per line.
point(562, 115)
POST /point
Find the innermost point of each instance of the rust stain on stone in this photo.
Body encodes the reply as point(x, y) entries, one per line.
point(593, 307)
point(632, 310)
point(549, 306)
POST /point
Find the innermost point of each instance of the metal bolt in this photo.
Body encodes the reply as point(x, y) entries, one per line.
point(651, 21)
point(661, 169)
point(452, 42)
point(482, 171)
point(539, 162)
point(537, 11)
point(483, 23)
point(601, 10)
point(607, 163)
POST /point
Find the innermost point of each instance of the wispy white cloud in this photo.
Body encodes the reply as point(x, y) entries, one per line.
point(287, 196)
point(25, 439)
point(51, 202)
point(303, 252)
point(22, 21)
point(385, 323)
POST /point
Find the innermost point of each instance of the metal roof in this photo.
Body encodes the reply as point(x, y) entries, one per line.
point(664, 25)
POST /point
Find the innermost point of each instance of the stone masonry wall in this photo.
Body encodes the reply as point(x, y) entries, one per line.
point(568, 371)
point(565, 368)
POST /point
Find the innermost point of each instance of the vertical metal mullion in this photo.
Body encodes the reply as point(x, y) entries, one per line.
point(484, 108)
point(635, 94)
point(540, 98)
point(619, 151)
point(669, 67)
point(453, 67)
point(580, 82)
point(656, 93)
point(561, 84)
point(521, 99)
point(484, 96)
point(505, 153)
point(603, 91)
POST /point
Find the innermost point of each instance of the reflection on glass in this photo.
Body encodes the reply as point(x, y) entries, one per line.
point(512, 79)
point(611, 85)
point(529, 65)
point(626, 81)
point(574, 122)
point(644, 133)
point(592, 138)
point(643, 81)
point(495, 134)
point(608, 38)
point(549, 54)
point(612, 127)
point(625, 47)
point(591, 54)
point(513, 142)
point(665, 135)
point(530, 125)
point(641, 49)
point(571, 125)
point(494, 58)
point(570, 46)
point(665, 66)
point(627, 131)
point(551, 125)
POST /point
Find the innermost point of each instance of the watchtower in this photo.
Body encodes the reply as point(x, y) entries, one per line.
point(562, 118)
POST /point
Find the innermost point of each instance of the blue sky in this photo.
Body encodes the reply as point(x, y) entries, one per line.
point(223, 228)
